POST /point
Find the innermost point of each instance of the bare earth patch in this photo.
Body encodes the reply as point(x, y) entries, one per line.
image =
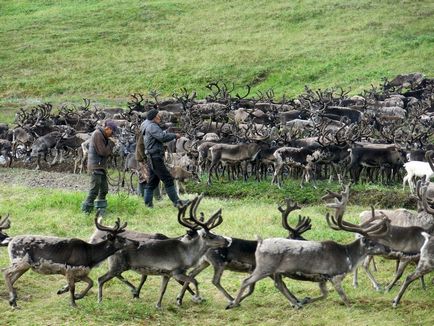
point(45, 179)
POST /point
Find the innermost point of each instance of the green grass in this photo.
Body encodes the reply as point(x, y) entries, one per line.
point(105, 50)
point(56, 212)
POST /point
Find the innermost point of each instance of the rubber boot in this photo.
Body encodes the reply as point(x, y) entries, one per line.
point(100, 205)
point(86, 207)
point(149, 193)
point(173, 195)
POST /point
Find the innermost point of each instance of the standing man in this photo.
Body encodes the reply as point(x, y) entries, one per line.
point(154, 137)
point(100, 148)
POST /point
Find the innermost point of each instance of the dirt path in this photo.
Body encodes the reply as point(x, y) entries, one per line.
point(45, 179)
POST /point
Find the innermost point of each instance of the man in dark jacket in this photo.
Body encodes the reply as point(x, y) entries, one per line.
point(100, 148)
point(154, 137)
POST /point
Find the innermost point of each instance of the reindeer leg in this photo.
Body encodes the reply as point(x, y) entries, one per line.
point(89, 282)
point(11, 275)
point(218, 272)
point(163, 288)
point(71, 285)
point(324, 294)
point(104, 278)
point(280, 285)
point(187, 280)
point(337, 283)
point(421, 270)
point(402, 264)
point(192, 274)
point(55, 158)
point(371, 277)
point(250, 280)
point(136, 293)
point(356, 278)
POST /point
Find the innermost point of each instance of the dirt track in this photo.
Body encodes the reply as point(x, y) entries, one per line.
point(46, 179)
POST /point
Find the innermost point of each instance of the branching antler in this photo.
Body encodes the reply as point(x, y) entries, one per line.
point(114, 230)
point(336, 221)
point(215, 220)
point(290, 206)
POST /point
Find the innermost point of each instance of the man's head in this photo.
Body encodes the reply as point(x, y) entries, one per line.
point(110, 127)
point(153, 115)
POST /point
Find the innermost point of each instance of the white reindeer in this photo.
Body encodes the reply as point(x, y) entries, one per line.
point(416, 169)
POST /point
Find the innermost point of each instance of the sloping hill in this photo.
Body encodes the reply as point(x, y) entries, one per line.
point(63, 50)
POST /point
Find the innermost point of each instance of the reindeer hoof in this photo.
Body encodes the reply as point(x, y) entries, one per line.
point(297, 306)
point(304, 301)
point(197, 299)
point(231, 305)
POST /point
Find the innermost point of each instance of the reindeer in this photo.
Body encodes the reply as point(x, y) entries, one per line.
point(374, 157)
point(312, 260)
point(43, 145)
point(4, 224)
point(424, 266)
point(240, 256)
point(170, 257)
point(303, 158)
point(6, 150)
point(404, 236)
point(71, 257)
point(239, 153)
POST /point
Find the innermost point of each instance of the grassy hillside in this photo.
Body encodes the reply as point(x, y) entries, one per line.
point(105, 50)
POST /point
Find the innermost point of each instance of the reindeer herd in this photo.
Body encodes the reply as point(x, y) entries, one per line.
point(394, 234)
point(321, 134)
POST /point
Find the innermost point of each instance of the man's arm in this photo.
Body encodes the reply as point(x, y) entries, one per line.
point(160, 135)
point(100, 147)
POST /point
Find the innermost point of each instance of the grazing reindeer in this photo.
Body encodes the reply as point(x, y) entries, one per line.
point(4, 224)
point(312, 260)
point(240, 256)
point(171, 257)
point(71, 257)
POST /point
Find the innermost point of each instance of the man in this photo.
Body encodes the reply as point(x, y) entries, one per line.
point(154, 137)
point(100, 148)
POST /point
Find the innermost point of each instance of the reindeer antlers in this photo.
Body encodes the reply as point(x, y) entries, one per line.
point(336, 221)
point(193, 222)
point(116, 229)
point(290, 206)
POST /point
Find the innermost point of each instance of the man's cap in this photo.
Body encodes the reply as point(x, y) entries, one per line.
point(111, 124)
point(152, 114)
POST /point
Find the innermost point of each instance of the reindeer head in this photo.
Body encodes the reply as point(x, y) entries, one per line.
point(113, 240)
point(199, 228)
